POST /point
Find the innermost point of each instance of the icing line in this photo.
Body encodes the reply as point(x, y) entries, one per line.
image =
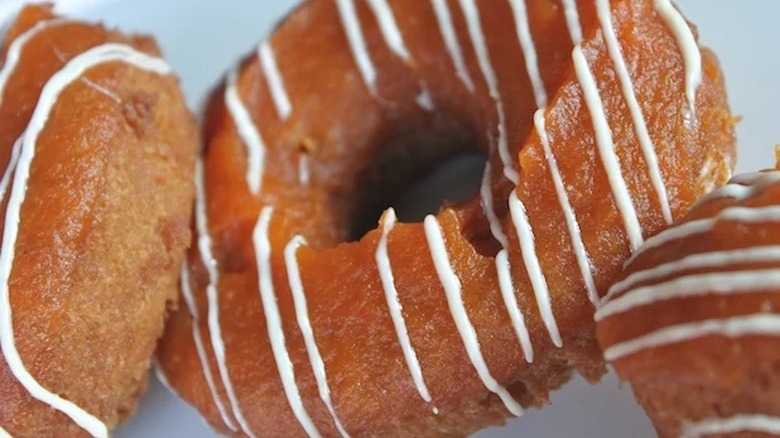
point(520, 13)
point(758, 325)
point(629, 95)
point(189, 299)
point(572, 21)
point(212, 296)
point(738, 423)
point(302, 317)
point(504, 270)
point(274, 79)
point(447, 28)
point(389, 28)
point(75, 68)
point(260, 238)
point(687, 43)
point(606, 147)
point(525, 237)
point(453, 291)
point(248, 132)
point(474, 25)
point(719, 283)
point(385, 269)
point(488, 206)
point(357, 43)
point(575, 233)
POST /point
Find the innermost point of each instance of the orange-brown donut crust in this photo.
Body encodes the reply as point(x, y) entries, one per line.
point(710, 376)
point(103, 228)
point(351, 137)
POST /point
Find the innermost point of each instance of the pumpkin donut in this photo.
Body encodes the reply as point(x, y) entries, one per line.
point(298, 324)
point(98, 152)
point(706, 363)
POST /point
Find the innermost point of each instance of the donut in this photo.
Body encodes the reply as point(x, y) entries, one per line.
point(706, 363)
point(98, 152)
point(297, 321)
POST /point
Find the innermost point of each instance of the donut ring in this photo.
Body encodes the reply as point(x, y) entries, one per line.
point(98, 152)
point(705, 364)
point(290, 330)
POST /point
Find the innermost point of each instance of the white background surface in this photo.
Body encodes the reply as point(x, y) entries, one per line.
point(202, 38)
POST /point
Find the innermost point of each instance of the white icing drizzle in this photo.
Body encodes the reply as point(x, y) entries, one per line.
point(454, 293)
point(307, 331)
point(273, 77)
point(606, 147)
point(525, 237)
point(687, 42)
point(718, 259)
point(738, 423)
point(389, 28)
point(212, 296)
point(751, 325)
point(357, 43)
point(573, 20)
point(304, 172)
point(4, 433)
point(488, 206)
point(520, 13)
point(447, 28)
point(248, 132)
point(16, 150)
point(273, 320)
point(425, 100)
point(742, 187)
point(682, 231)
point(504, 270)
point(575, 233)
point(15, 50)
point(189, 299)
point(384, 266)
point(640, 125)
point(718, 283)
point(471, 13)
point(75, 68)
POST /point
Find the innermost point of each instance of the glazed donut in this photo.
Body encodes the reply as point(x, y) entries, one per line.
point(706, 362)
point(297, 324)
point(98, 151)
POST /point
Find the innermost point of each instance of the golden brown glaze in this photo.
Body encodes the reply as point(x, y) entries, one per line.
point(103, 226)
point(722, 295)
point(363, 149)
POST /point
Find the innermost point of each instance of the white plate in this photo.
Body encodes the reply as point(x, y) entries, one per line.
point(202, 38)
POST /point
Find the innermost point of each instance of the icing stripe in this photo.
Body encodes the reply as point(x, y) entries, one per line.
point(606, 147)
point(742, 187)
point(274, 322)
point(357, 42)
point(575, 233)
point(302, 316)
point(504, 270)
point(453, 291)
point(248, 132)
point(425, 100)
point(488, 206)
point(525, 237)
point(680, 232)
point(274, 79)
point(15, 50)
point(719, 259)
point(212, 296)
point(718, 283)
point(4, 433)
point(751, 325)
point(16, 150)
point(389, 28)
point(394, 305)
point(75, 68)
point(520, 13)
point(189, 299)
point(638, 118)
point(739, 423)
point(447, 28)
point(573, 21)
point(687, 42)
point(304, 171)
point(474, 25)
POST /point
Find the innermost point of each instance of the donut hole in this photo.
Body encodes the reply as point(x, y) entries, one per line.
point(419, 172)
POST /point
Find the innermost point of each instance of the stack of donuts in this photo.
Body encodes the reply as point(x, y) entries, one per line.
point(260, 257)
